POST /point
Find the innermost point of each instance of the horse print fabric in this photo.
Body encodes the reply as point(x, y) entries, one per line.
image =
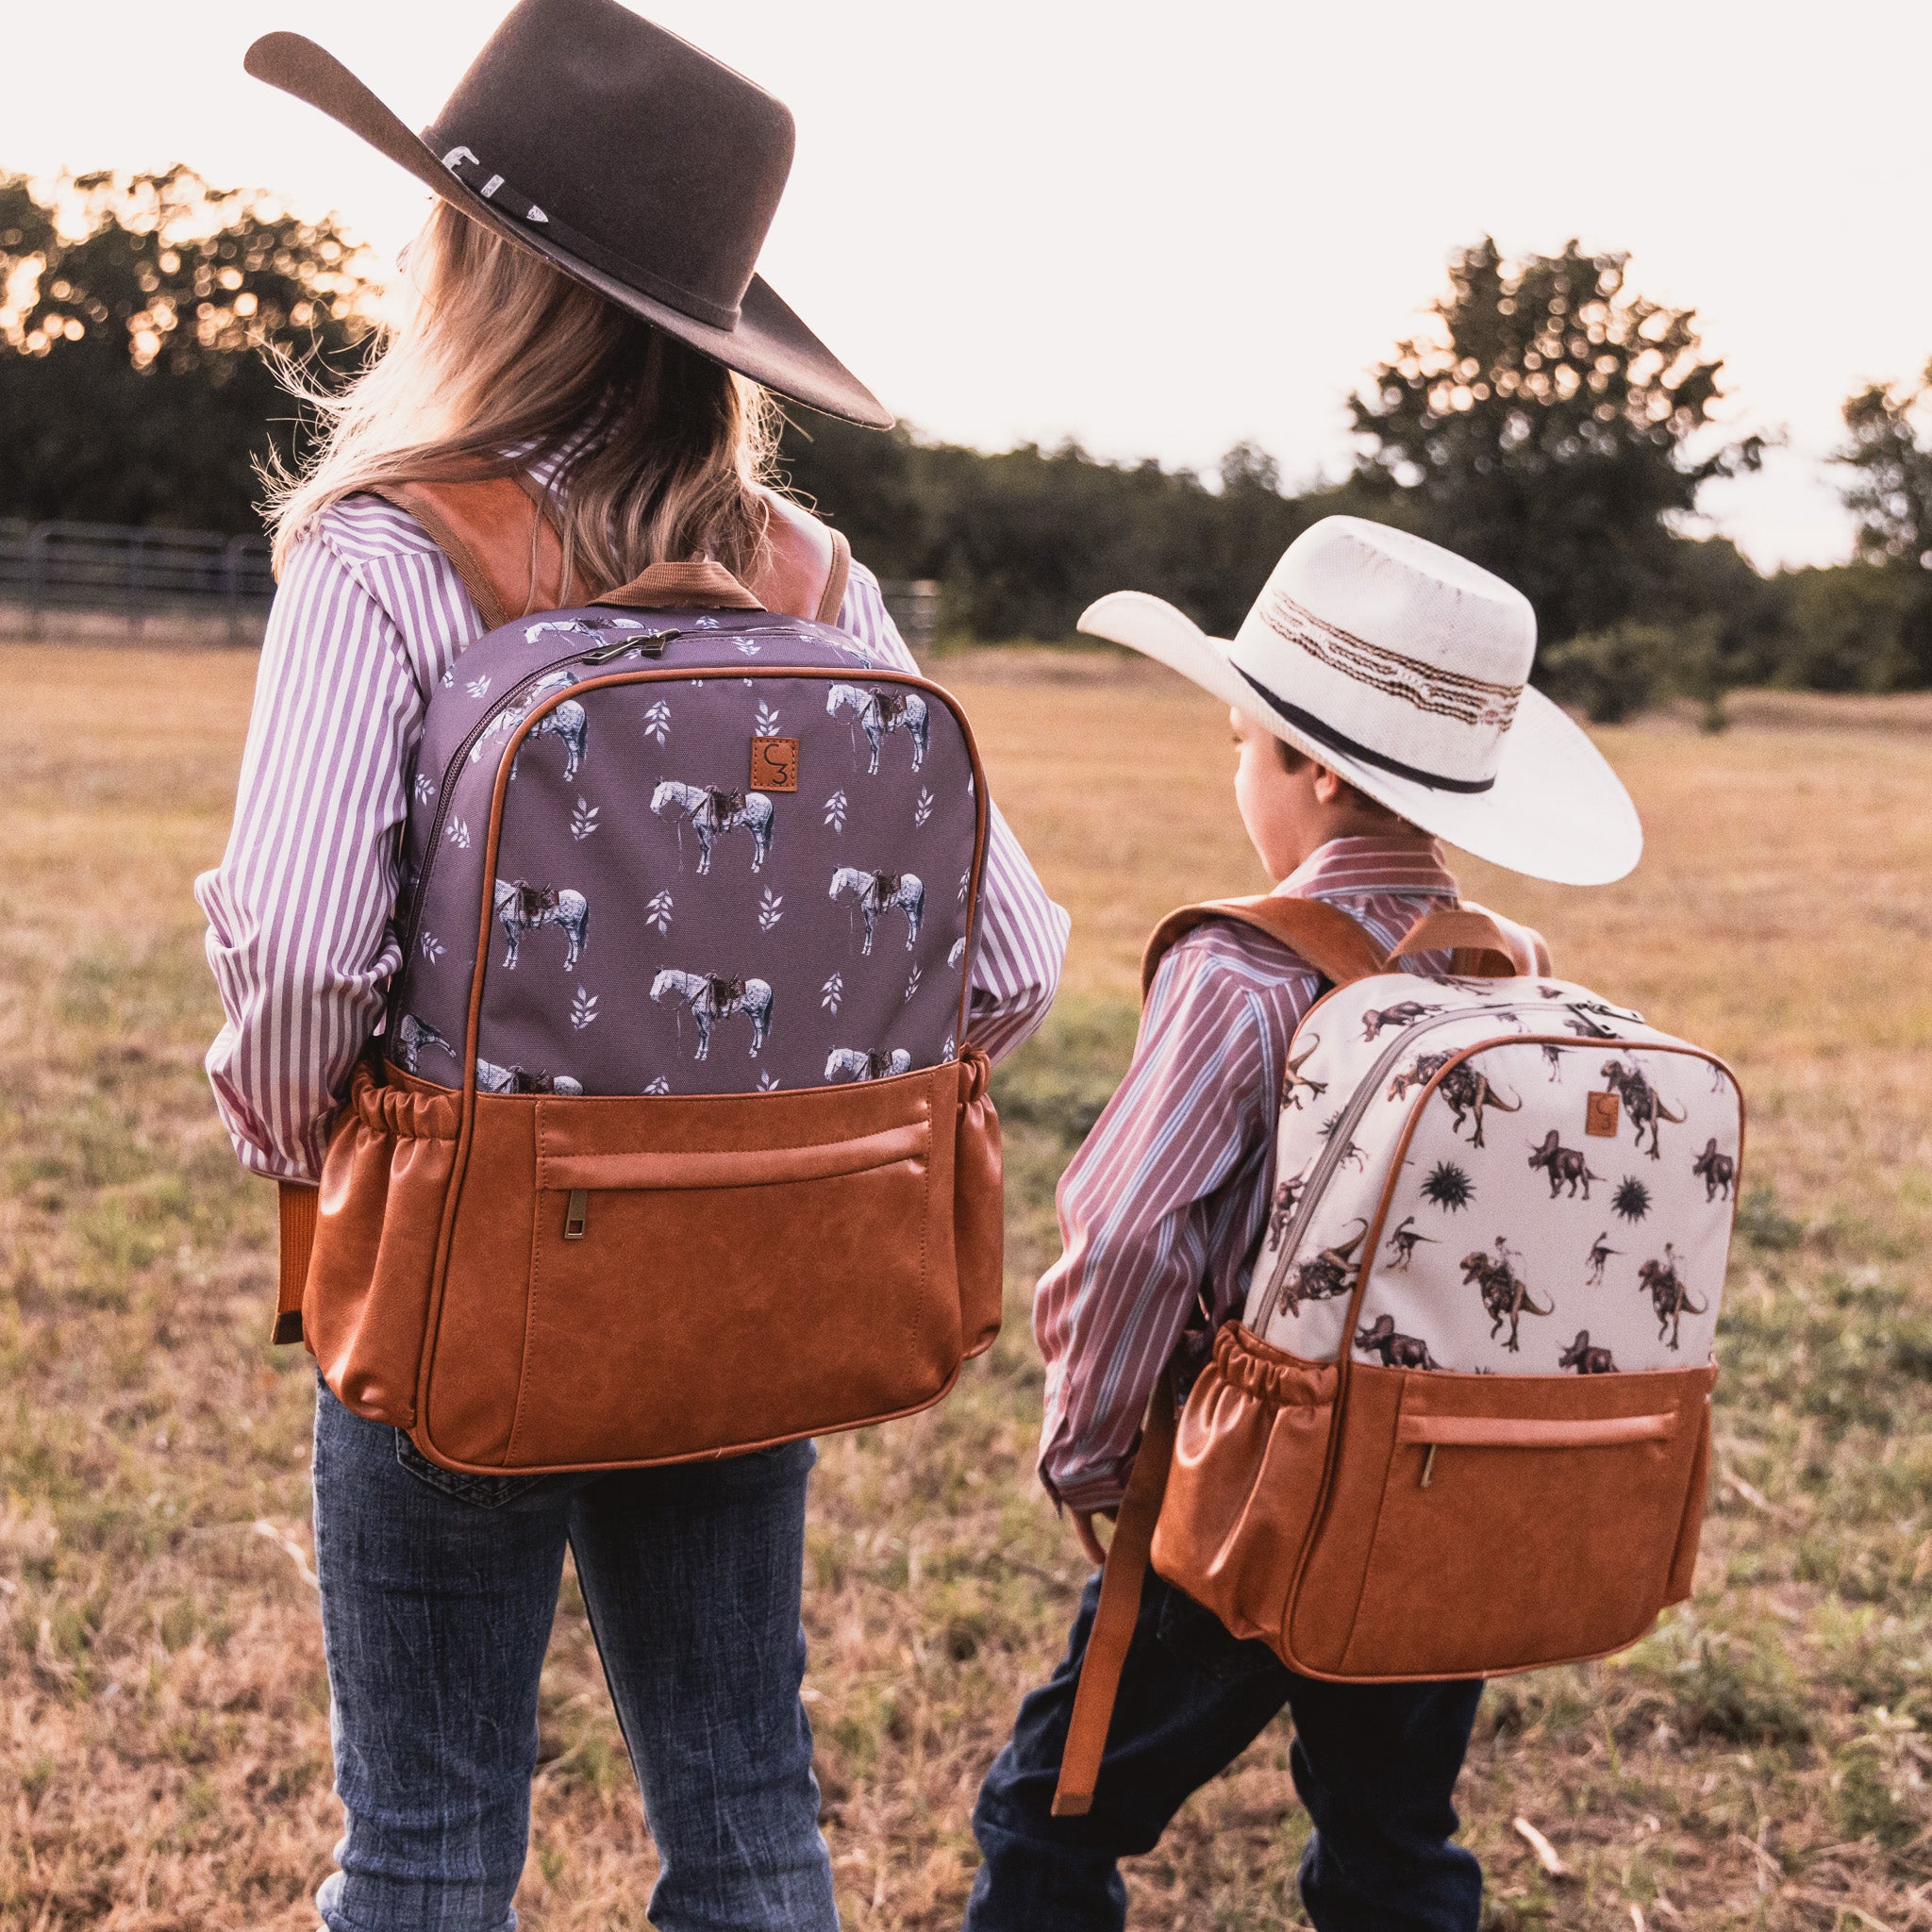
point(1549, 1183)
point(653, 923)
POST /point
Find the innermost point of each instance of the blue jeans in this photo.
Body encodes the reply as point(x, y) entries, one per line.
point(1375, 1765)
point(437, 1591)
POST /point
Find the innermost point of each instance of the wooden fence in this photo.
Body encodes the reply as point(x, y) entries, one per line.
point(104, 580)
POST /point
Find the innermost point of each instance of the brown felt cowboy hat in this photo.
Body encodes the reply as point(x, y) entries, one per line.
point(627, 158)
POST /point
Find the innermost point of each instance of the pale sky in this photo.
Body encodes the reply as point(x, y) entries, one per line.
point(1162, 228)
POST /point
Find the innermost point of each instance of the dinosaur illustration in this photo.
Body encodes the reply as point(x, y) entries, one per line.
point(1404, 1242)
point(1600, 1252)
point(1293, 1086)
point(1566, 1166)
point(1640, 1102)
point(1397, 1351)
point(1324, 1277)
point(1718, 1172)
point(1668, 1295)
point(1505, 1295)
point(1419, 1073)
point(1288, 1193)
point(1467, 1092)
point(1405, 1014)
point(1585, 1359)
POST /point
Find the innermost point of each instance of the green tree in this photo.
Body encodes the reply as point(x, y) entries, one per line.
point(132, 385)
point(1890, 495)
point(1542, 428)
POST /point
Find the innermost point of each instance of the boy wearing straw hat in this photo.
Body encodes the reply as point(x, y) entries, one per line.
point(1380, 700)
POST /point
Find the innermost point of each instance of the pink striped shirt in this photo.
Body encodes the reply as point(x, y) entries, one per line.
point(1162, 1208)
point(368, 617)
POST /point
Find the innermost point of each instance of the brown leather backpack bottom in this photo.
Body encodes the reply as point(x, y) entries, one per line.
point(603, 1283)
point(1448, 1525)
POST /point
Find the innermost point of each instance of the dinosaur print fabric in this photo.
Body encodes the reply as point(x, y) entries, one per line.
point(655, 922)
point(1497, 1176)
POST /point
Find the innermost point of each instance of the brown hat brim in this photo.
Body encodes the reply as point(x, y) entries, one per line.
point(770, 344)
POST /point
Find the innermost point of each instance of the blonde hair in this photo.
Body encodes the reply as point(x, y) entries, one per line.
point(660, 451)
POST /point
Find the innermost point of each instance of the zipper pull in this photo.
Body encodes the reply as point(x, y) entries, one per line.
point(575, 1214)
point(646, 643)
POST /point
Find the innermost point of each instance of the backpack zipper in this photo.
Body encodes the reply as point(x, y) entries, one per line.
point(1336, 1152)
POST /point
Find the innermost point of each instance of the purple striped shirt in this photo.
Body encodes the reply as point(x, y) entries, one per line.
point(1166, 1199)
point(369, 615)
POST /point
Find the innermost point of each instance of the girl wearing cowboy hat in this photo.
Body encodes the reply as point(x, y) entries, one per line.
point(1380, 700)
point(588, 315)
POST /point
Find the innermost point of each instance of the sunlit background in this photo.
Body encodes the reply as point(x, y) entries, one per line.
point(1160, 229)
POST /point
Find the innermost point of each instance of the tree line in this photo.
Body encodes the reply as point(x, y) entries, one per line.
point(1550, 422)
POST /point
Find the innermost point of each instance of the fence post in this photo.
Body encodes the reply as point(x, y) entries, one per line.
point(35, 576)
point(231, 585)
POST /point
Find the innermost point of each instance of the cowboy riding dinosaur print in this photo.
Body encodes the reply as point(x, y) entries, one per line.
point(1411, 1146)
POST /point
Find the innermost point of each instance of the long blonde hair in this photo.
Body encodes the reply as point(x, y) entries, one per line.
point(660, 451)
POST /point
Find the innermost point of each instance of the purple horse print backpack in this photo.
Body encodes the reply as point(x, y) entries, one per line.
point(669, 1147)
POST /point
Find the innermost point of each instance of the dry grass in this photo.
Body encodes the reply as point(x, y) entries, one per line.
point(1762, 1761)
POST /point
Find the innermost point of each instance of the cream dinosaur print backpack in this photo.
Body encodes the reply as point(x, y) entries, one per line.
point(1462, 1425)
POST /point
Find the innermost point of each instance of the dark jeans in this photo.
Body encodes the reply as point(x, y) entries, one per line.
point(1376, 1764)
point(438, 1592)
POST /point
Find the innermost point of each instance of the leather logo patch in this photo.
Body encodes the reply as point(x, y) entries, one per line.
point(1600, 1114)
point(774, 764)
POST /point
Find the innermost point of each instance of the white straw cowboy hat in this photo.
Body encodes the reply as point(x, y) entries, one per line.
point(1405, 669)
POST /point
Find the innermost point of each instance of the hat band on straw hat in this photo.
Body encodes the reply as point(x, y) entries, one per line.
point(463, 162)
point(1349, 747)
point(1428, 687)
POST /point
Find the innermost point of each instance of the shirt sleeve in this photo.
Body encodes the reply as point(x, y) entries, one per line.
point(299, 909)
point(1023, 933)
point(1135, 1213)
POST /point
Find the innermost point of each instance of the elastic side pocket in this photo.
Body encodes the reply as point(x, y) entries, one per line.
point(978, 1209)
point(1247, 1472)
point(1690, 1531)
point(378, 1214)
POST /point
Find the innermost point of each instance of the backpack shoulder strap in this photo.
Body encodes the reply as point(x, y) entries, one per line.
point(502, 540)
point(1334, 944)
point(805, 563)
point(1481, 942)
point(497, 533)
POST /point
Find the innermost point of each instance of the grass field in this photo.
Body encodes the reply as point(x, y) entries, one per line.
point(1762, 1760)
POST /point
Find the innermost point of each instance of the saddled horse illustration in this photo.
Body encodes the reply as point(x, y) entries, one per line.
point(1294, 1083)
point(491, 1078)
point(709, 999)
point(1586, 1360)
point(883, 892)
point(412, 1037)
point(1467, 1092)
point(856, 1063)
point(565, 721)
point(1669, 1297)
point(1718, 1172)
point(1325, 1276)
point(1640, 1103)
point(708, 812)
point(520, 906)
point(1397, 1351)
point(1566, 1166)
point(877, 712)
point(1506, 1296)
